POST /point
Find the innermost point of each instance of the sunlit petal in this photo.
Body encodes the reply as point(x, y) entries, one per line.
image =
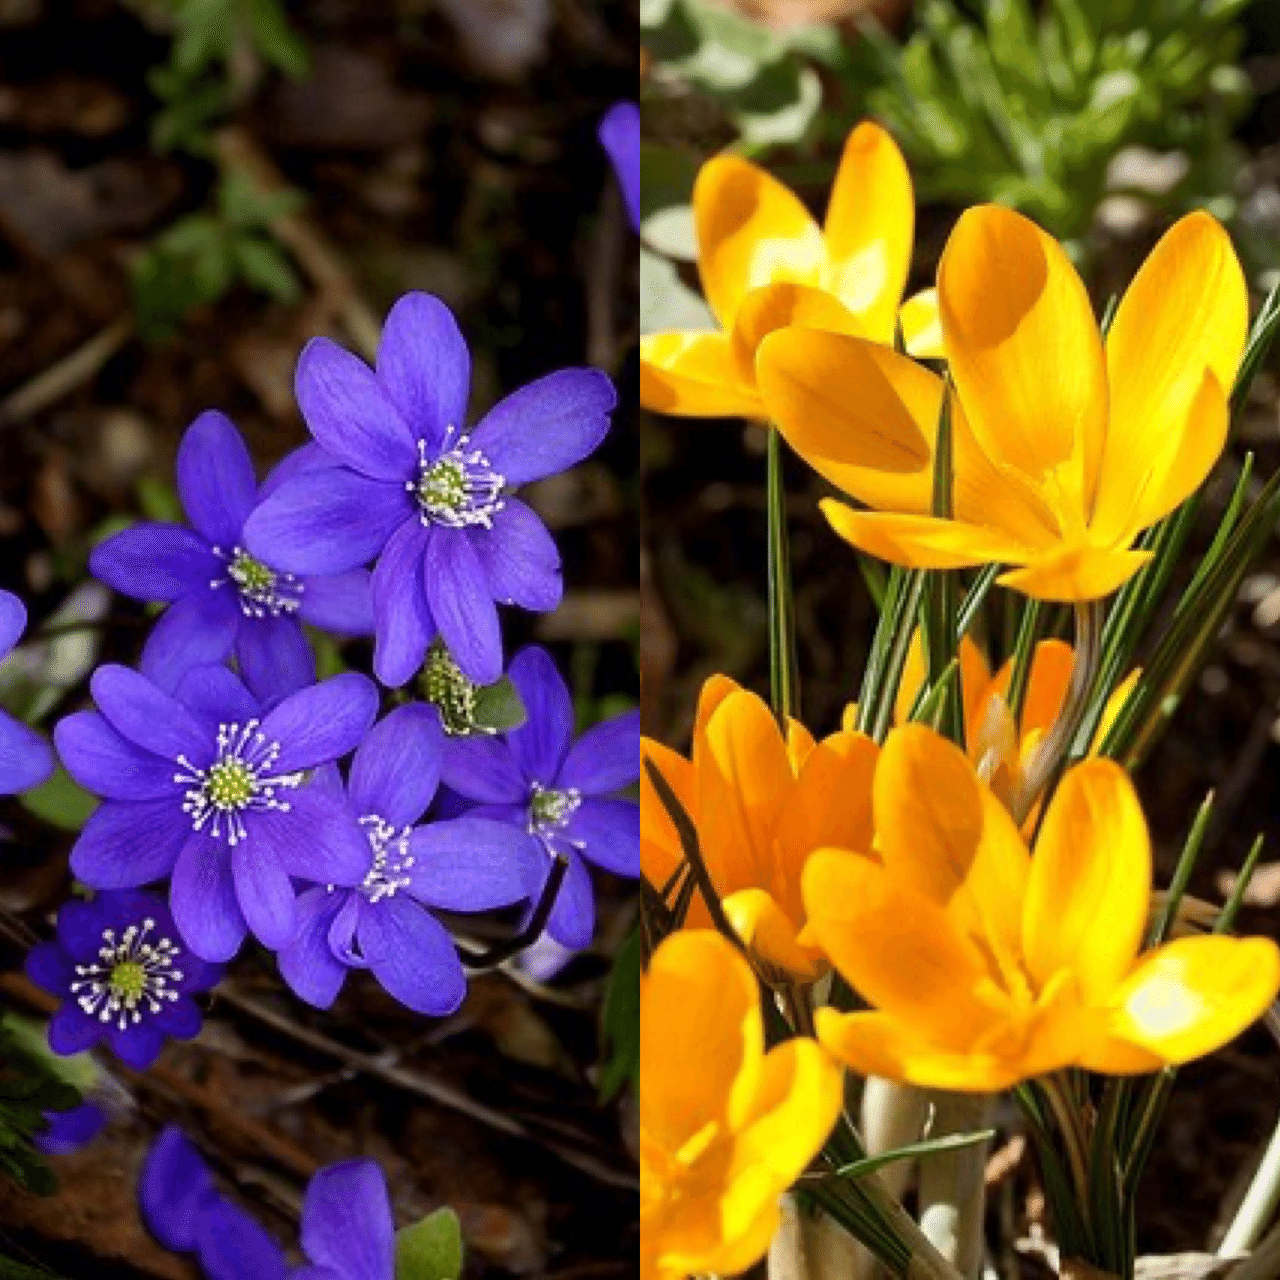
point(694, 375)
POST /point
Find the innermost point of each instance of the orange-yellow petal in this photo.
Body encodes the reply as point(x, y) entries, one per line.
point(870, 228)
point(770, 934)
point(875, 1044)
point(922, 542)
point(1137, 488)
point(1023, 347)
point(1090, 886)
point(701, 1035)
point(899, 949)
point(922, 326)
point(715, 689)
point(876, 445)
point(1075, 573)
point(1185, 314)
point(946, 837)
point(660, 852)
point(744, 778)
point(800, 742)
point(781, 306)
point(693, 375)
point(1052, 662)
point(1194, 995)
point(914, 671)
point(751, 231)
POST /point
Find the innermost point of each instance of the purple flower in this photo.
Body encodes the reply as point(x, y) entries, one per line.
point(429, 499)
point(185, 1212)
point(210, 786)
point(122, 975)
point(469, 864)
point(25, 758)
point(222, 600)
point(68, 1131)
point(620, 137)
point(556, 790)
point(348, 1232)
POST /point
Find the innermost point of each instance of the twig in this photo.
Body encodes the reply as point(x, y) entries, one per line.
point(315, 255)
point(437, 1091)
point(64, 376)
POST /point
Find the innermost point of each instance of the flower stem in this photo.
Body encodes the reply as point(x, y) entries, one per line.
point(1258, 1206)
point(953, 1183)
point(784, 672)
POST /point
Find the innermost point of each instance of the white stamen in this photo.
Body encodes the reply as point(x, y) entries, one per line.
point(131, 978)
point(458, 487)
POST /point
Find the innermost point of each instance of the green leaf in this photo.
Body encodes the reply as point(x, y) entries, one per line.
point(621, 1021)
point(276, 40)
point(915, 1151)
point(499, 707)
point(430, 1249)
point(265, 267)
point(61, 802)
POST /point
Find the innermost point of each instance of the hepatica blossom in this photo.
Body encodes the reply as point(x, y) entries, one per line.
point(210, 786)
point(25, 758)
point(559, 792)
point(348, 1232)
point(382, 922)
point(123, 975)
point(223, 600)
point(620, 137)
point(186, 1213)
point(426, 495)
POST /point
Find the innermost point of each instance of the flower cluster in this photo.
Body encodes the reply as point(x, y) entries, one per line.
point(273, 804)
point(954, 891)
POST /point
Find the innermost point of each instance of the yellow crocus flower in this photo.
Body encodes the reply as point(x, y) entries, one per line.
point(1064, 449)
point(725, 1127)
point(1000, 749)
point(761, 804)
point(985, 966)
point(765, 263)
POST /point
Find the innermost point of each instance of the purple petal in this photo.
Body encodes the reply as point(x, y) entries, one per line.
point(339, 602)
point(315, 1273)
point(483, 768)
point(203, 898)
point(606, 757)
point(217, 696)
point(307, 962)
point(322, 723)
point(262, 885)
point(326, 521)
point(13, 621)
point(318, 839)
point(215, 478)
point(233, 1246)
point(620, 137)
point(175, 1189)
point(424, 366)
point(573, 918)
point(148, 716)
point(607, 832)
point(198, 630)
point(305, 458)
point(80, 924)
point(347, 1223)
point(136, 1046)
point(103, 762)
point(351, 416)
point(275, 657)
point(127, 843)
point(49, 967)
point(151, 561)
point(71, 1130)
point(539, 746)
point(412, 956)
point(397, 767)
point(460, 602)
point(25, 757)
point(180, 1019)
point(404, 624)
point(342, 932)
point(547, 426)
point(473, 864)
point(72, 1031)
point(545, 958)
point(520, 559)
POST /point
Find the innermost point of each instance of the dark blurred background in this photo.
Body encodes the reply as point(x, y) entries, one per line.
point(189, 189)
